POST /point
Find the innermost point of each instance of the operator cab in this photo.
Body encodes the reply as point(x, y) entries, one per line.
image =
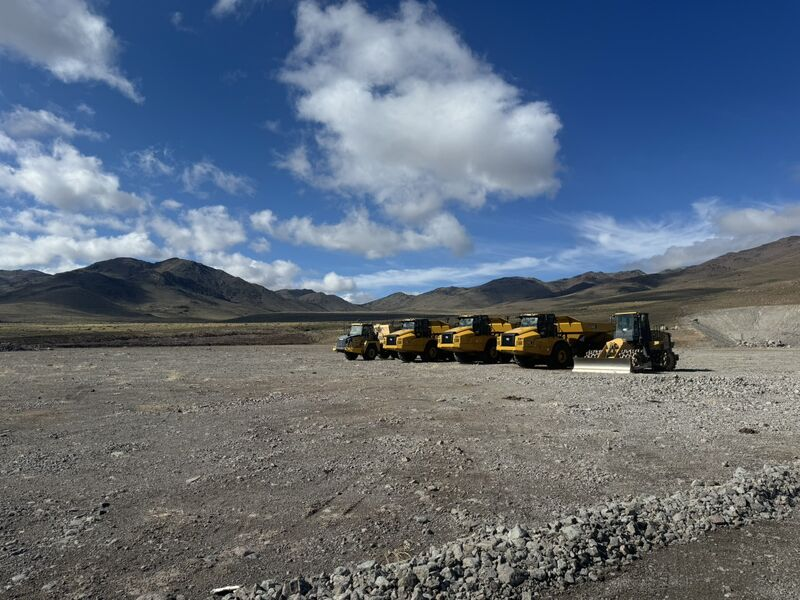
point(362, 329)
point(420, 327)
point(479, 324)
point(545, 324)
point(633, 328)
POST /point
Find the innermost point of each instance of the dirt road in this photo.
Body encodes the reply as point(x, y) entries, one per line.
point(177, 470)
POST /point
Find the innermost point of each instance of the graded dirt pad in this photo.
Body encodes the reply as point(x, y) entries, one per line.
point(141, 470)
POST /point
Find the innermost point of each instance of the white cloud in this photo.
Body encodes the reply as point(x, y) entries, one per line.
point(709, 230)
point(179, 22)
point(65, 178)
point(201, 173)
point(54, 253)
point(407, 115)
point(151, 161)
point(201, 230)
point(85, 109)
point(58, 223)
point(358, 234)
point(171, 204)
point(66, 38)
point(331, 283)
point(26, 123)
point(275, 275)
point(260, 245)
point(227, 8)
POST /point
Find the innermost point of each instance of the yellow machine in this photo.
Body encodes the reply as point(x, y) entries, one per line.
point(544, 338)
point(635, 348)
point(362, 339)
point(475, 339)
point(416, 337)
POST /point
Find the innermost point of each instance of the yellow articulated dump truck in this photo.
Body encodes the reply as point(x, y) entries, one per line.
point(362, 339)
point(547, 339)
point(475, 339)
point(635, 348)
point(417, 337)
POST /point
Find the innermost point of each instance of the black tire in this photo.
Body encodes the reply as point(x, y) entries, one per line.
point(504, 358)
point(665, 362)
point(370, 352)
point(464, 358)
point(526, 362)
point(350, 355)
point(431, 353)
point(561, 356)
point(407, 357)
point(490, 353)
point(384, 355)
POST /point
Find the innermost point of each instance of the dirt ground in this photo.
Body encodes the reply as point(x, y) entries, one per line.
point(128, 471)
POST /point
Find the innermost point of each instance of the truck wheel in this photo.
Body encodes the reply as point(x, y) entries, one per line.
point(384, 355)
point(667, 361)
point(370, 352)
point(490, 353)
point(407, 357)
point(561, 356)
point(350, 355)
point(526, 362)
point(464, 358)
point(431, 353)
point(504, 358)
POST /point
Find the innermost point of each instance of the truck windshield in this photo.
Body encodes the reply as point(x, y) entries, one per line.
point(407, 325)
point(465, 322)
point(529, 322)
point(356, 330)
point(627, 328)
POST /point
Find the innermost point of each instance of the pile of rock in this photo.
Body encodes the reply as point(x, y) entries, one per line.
point(762, 344)
point(515, 563)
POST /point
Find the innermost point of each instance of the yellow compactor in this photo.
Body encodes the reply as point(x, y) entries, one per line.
point(417, 337)
point(635, 348)
point(547, 339)
point(475, 339)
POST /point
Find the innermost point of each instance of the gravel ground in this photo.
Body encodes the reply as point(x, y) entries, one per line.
point(177, 470)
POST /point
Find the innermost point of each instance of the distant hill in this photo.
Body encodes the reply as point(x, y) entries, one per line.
point(766, 275)
point(177, 289)
point(127, 288)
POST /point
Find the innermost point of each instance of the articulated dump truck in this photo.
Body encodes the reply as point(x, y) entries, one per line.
point(547, 339)
point(365, 340)
point(475, 339)
point(635, 348)
point(417, 337)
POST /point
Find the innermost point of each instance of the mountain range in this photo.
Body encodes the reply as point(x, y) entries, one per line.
point(183, 290)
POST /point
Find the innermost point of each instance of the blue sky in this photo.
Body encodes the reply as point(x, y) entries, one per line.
point(366, 148)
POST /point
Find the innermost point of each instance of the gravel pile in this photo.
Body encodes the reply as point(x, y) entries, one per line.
point(515, 563)
point(762, 344)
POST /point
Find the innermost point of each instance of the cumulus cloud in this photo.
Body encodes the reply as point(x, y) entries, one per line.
point(331, 283)
point(196, 178)
point(404, 113)
point(201, 230)
point(359, 234)
point(274, 275)
point(23, 122)
point(65, 178)
point(65, 37)
point(60, 253)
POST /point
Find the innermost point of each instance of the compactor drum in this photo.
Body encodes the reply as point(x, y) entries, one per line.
point(635, 348)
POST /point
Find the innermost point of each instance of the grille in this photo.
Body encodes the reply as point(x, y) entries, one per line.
point(391, 340)
point(509, 339)
point(341, 343)
point(447, 338)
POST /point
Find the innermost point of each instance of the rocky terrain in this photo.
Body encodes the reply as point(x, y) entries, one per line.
point(167, 472)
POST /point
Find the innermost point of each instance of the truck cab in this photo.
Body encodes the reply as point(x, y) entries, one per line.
point(361, 339)
point(475, 339)
point(417, 337)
